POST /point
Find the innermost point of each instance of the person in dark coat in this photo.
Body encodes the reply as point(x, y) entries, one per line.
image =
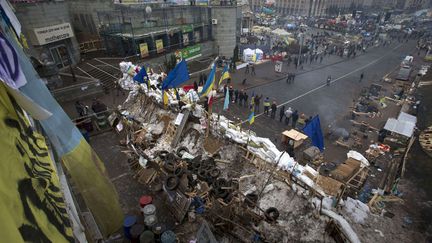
point(273, 109)
point(257, 102)
point(195, 86)
point(245, 98)
point(295, 117)
point(236, 95)
point(240, 96)
point(231, 93)
point(281, 113)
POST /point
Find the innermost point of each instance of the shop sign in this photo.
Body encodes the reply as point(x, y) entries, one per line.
point(190, 52)
point(53, 33)
point(159, 46)
point(187, 28)
point(143, 50)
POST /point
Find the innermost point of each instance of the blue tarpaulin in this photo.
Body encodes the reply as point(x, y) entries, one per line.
point(313, 130)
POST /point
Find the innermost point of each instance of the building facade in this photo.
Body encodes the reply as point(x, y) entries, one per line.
point(49, 32)
point(310, 8)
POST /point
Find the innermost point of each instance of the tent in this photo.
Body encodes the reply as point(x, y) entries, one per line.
point(248, 55)
point(280, 32)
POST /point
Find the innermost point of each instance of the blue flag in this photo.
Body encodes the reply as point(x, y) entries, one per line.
point(313, 130)
point(141, 75)
point(177, 76)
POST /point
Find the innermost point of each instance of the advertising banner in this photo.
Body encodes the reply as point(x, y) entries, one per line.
point(144, 50)
point(190, 52)
point(159, 46)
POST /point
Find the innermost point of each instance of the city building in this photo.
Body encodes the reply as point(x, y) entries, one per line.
point(49, 32)
point(307, 7)
point(154, 29)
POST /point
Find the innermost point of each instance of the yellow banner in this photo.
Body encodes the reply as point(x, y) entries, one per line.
point(159, 46)
point(31, 202)
point(144, 50)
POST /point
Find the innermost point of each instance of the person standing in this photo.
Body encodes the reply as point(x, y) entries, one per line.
point(195, 86)
point(236, 95)
point(257, 102)
point(295, 117)
point(288, 114)
point(266, 104)
point(201, 80)
point(240, 96)
point(281, 113)
point(252, 103)
point(247, 69)
point(273, 109)
point(361, 77)
point(245, 98)
point(328, 80)
point(292, 77)
point(253, 70)
point(288, 80)
point(231, 93)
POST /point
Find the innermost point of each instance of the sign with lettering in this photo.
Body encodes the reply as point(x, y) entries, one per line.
point(53, 33)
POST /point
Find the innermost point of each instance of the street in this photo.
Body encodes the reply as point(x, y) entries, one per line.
point(309, 93)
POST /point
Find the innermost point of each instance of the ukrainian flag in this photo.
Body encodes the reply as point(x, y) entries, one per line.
point(209, 83)
point(225, 74)
point(251, 118)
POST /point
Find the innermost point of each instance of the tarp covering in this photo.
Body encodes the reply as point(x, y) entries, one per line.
point(404, 125)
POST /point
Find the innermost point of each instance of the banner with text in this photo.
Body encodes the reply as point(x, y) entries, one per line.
point(53, 33)
point(190, 52)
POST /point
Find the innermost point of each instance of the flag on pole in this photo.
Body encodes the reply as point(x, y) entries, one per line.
point(177, 76)
point(227, 100)
point(313, 130)
point(251, 118)
point(142, 76)
point(208, 86)
point(225, 74)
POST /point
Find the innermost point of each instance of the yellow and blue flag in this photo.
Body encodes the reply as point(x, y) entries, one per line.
point(251, 118)
point(208, 86)
point(225, 74)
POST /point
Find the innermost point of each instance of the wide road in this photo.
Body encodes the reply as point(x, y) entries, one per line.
point(309, 93)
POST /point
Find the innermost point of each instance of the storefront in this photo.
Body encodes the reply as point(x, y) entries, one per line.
point(55, 43)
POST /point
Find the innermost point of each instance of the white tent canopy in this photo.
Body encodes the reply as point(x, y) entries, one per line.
point(404, 125)
point(281, 32)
